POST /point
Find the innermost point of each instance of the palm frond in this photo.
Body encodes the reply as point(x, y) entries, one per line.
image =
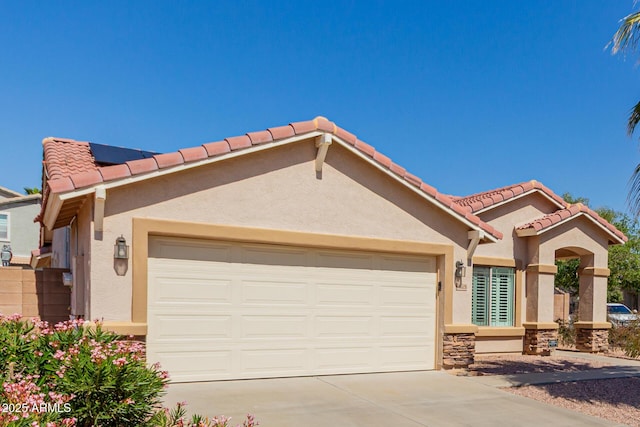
point(628, 35)
point(633, 199)
point(634, 119)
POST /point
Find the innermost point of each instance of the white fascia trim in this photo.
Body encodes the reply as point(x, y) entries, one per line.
point(412, 188)
point(161, 172)
point(54, 204)
point(504, 202)
point(533, 232)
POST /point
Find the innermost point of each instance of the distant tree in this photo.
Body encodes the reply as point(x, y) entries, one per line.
point(626, 40)
point(34, 190)
point(624, 260)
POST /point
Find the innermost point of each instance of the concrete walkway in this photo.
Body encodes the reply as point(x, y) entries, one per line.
point(403, 399)
point(620, 368)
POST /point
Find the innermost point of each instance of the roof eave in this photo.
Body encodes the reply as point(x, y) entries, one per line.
point(530, 231)
point(526, 193)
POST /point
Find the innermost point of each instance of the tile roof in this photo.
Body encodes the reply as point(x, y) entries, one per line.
point(486, 199)
point(69, 164)
point(571, 211)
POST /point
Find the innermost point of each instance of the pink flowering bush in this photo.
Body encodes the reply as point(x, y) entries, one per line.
point(69, 375)
point(78, 376)
point(177, 418)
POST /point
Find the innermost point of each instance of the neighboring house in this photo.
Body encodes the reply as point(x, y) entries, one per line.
point(17, 228)
point(301, 250)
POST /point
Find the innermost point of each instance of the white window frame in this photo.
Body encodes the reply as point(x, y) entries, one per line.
point(8, 239)
point(492, 319)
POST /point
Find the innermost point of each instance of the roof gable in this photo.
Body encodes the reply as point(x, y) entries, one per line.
point(562, 216)
point(6, 193)
point(72, 170)
point(481, 202)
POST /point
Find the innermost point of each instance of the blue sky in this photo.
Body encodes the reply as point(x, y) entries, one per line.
point(468, 95)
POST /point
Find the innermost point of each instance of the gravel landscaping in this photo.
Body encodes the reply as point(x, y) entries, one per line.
point(616, 400)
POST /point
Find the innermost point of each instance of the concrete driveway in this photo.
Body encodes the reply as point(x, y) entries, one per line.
point(405, 399)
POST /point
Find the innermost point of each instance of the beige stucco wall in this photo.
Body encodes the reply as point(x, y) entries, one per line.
point(498, 345)
point(277, 189)
point(585, 238)
point(505, 217)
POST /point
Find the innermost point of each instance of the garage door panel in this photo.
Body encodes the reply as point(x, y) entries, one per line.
point(406, 295)
point(202, 364)
point(270, 362)
point(405, 326)
point(403, 356)
point(201, 290)
point(171, 328)
point(343, 325)
point(344, 259)
point(190, 250)
point(274, 292)
point(340, 293)
point(273, 255)
point(269, 326)
point(402, 265)
point(344, 359)
point(253, 315)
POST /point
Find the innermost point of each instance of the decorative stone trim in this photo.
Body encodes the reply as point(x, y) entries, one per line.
point(537, 341)
point(458, 350)
point(590, 340)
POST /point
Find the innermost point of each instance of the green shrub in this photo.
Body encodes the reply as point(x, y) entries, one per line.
point(566, 333)
point(626, 338)
point(71, 375)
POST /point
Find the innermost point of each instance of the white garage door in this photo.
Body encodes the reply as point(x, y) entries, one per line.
point(220, 310)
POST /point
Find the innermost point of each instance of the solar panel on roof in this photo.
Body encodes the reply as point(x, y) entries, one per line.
point(106, 155)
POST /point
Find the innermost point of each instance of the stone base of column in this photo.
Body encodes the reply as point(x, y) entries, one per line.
point(458, 350)
point(592, 337)
point(540, 338)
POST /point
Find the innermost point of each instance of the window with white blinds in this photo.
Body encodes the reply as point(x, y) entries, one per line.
point(4, 226)
point(493, 296)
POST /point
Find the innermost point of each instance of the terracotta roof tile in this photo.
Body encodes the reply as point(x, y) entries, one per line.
point(346, 136)
point(142, 166)
point(281, 132)
point(86, 179)
point(492, 197)
point(193, 154)
point(554, 218)
point(168, 159)
point(428, 189)
point(238, 142)
point(260, 137)
point(64, 157)
point(217, 148)
point(57, 149)
point(303, 127)
point(60, 185)
point(365, 148)
point(397, 169)
point(412, 179)
point(325, 125)
point(382, 159)
point(109, 173)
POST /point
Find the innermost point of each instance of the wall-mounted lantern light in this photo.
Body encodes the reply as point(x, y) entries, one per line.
point(120, 249)
point(121, 256)
point(461, 270)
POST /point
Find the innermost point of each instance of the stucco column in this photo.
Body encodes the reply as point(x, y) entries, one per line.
point(592, 328)
point(540, 329)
